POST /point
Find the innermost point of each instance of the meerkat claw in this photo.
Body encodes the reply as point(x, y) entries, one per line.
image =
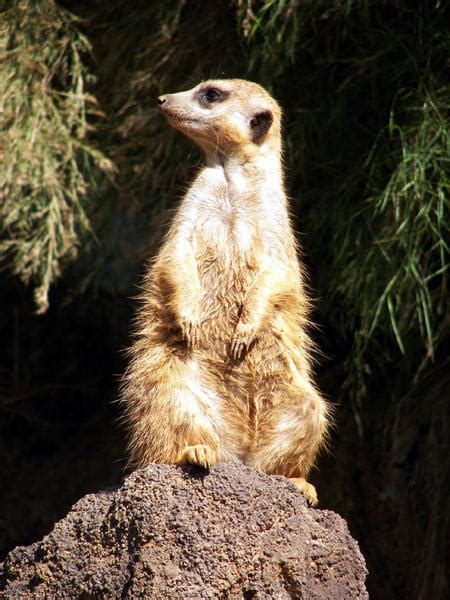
point(307, 489)
point(240, 345)
point(190, 331)
point(200, 455)
point(236, 349)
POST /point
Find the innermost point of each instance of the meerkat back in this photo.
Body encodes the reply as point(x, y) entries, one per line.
point(220, 366)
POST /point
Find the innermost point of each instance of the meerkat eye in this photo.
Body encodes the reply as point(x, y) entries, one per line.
point(212, 94)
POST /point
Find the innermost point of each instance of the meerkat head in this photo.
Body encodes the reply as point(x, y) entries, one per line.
point(225, 116)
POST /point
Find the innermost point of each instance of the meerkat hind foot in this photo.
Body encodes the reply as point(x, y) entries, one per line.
point(200, 455)
point(307, 489)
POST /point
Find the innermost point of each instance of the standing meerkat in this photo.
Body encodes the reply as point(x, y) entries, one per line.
point(220, 367)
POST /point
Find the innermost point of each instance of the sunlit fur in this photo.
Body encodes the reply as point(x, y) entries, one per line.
point(220, 366)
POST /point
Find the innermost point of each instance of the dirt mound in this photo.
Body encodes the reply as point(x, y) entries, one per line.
point(172, 532)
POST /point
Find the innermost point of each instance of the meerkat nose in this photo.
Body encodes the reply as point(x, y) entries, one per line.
point(162, 100)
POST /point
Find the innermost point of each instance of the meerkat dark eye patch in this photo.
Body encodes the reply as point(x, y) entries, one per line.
point(260, 123)
point(213, 94)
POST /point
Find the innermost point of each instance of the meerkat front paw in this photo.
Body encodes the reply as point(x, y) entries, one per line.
point(243, 337)
point(307, 489)
point(190, 330)
point(200, 455)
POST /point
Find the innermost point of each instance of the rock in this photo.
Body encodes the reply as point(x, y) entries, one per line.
point(178, 533)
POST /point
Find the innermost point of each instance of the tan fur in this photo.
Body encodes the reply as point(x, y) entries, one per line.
point(220, 369)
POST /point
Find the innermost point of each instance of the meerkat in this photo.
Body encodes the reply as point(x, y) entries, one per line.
point(220, 368)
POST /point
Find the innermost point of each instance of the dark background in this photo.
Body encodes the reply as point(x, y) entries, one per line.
point(364, 91)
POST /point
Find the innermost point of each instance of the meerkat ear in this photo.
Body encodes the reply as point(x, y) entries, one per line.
point(260, 124)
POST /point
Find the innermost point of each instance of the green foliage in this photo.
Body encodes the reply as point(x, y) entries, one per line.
point(398, 278)
point(45, 161)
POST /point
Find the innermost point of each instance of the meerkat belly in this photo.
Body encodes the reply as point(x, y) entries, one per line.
point(227, 268)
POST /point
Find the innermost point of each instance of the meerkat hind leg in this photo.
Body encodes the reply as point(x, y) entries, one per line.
point(307, 489)
point(200, 455)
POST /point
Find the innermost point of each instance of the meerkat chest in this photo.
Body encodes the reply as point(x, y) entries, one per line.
point(225, 227)
point(225, 219)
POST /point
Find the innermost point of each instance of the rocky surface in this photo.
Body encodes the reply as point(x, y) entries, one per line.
point(172, 532)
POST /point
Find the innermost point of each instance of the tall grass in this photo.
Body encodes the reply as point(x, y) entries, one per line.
point(400, 280)
point(46, 161)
